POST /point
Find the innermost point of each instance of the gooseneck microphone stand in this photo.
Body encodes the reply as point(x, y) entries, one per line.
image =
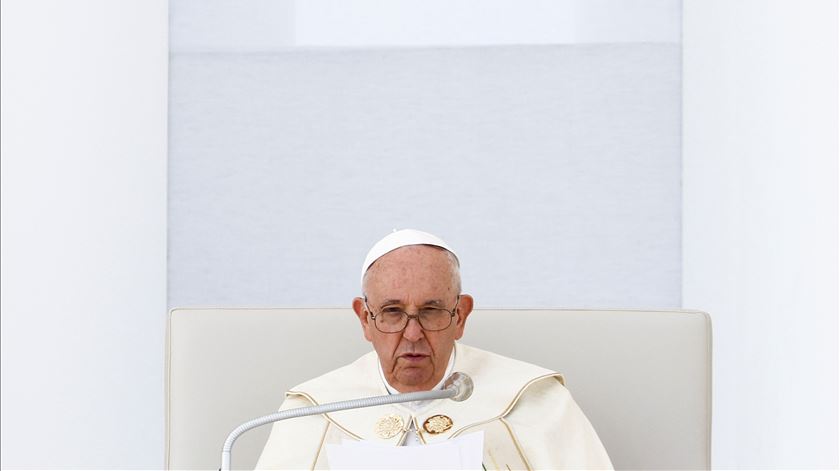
point(458, 387)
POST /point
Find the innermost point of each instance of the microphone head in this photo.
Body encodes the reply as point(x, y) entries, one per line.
point(461, 383)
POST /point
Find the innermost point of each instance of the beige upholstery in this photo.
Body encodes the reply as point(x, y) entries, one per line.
point(642, 377)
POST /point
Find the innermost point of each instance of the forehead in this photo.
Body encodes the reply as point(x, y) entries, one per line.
point(413, 269)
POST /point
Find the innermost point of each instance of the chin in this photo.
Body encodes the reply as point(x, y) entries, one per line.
point(418, 380)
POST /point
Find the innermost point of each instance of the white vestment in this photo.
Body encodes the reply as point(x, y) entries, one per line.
point(529, 419)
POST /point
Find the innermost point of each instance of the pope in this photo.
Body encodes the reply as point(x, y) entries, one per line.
point(413, 312)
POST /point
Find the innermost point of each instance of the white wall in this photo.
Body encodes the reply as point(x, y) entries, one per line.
point(555, 171)
point(83, 233)
point(269, 25)
point(283, 155)
point(760, 233)
point(371, 23)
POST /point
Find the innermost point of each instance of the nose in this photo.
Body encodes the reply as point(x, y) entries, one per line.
point(413, 332)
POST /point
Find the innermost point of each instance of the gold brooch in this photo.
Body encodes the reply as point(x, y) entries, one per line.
point(437, 424)
point(388, 426)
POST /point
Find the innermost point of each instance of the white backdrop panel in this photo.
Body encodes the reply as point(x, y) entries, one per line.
point(554, 170)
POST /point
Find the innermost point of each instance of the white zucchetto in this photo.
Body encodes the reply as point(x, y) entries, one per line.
point(399, 239)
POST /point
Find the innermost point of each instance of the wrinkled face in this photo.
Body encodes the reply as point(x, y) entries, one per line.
point(413, 278)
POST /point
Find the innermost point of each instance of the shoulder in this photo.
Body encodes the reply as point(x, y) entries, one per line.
point(293, 443)
point(547, 413)
point(484, 361)
point(499, 382)
point(297, 443)
point(360, 378)
point(544, 392)
point(543, 418)
point(507, 379)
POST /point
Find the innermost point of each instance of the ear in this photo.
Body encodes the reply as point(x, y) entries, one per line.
point(465, 307)
point(364, 318)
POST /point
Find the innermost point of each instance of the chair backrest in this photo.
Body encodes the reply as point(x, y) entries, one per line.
point(642, 377)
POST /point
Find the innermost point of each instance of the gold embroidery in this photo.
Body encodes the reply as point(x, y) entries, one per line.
point(321, 445)
point(419, 430)
point(516, 443)
point(437, 424)
point(388, 426)
point(493, 459)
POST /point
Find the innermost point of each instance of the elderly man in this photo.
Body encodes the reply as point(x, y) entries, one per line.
point(412, 311)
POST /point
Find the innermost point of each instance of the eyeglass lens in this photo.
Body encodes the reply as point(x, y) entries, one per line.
point(430, 319)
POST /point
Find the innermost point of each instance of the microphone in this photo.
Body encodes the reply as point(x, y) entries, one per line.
point(461, 383)
point(458, 387)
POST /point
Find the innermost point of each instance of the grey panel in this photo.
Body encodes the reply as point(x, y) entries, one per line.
point(553, 170)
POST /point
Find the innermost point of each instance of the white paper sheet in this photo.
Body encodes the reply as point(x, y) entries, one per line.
point(462, 453)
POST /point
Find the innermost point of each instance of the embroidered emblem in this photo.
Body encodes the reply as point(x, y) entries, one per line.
point(388, 426)
point(437, 424)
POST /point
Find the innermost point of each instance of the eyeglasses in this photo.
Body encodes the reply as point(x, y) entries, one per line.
point(391, 320)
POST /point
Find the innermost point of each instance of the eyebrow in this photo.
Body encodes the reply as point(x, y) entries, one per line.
point(429, 302)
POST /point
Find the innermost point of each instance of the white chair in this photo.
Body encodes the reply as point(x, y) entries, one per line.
point(642, 377)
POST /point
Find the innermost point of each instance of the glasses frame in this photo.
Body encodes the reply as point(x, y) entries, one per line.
point(452, 313)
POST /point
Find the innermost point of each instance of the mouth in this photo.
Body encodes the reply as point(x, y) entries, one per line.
point(414, 357)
